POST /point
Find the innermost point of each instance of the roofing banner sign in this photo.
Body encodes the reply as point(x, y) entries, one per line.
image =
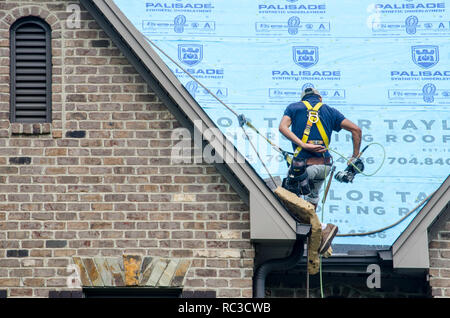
point(384, 65)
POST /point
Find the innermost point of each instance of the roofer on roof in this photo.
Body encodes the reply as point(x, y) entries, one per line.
point(312, 124)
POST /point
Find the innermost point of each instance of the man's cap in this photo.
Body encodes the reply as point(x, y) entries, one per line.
point(309, 91)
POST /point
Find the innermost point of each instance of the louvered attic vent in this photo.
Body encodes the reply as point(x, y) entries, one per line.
point(30, 71)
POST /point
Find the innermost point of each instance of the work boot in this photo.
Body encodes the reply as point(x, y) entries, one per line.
point(328, 235)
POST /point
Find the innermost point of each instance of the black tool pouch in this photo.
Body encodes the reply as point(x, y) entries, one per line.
point(297, 180)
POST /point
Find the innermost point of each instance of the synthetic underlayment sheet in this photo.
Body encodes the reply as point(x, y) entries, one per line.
point(385, 65)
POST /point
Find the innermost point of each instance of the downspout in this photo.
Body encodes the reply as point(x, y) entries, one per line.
point(281, 264)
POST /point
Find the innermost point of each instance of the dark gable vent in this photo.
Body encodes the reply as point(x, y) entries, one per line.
point(30, 71)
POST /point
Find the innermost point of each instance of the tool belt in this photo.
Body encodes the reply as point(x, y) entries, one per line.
point(318, 161)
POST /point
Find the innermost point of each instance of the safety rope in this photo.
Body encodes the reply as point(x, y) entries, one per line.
point(192, 77)
point(243, 121)
point(369, 175)
point(307, 271)
point(259, 157)
point(354, 234)
point(240, 117)
point(391, 225)
point(356, 168)
point(324, 198)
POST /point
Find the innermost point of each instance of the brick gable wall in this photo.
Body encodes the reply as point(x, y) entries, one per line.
point(98, 181)
point(439, 249)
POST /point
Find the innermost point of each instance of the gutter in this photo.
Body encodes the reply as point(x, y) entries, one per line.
point(353, 263)
point(281, 264)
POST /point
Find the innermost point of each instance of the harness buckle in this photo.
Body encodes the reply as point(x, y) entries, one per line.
point(313, 116)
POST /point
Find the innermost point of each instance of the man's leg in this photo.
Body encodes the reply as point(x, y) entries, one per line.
point(317, 174)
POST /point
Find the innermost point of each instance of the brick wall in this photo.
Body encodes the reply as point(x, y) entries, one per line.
point(439, 249)
point(98, 181)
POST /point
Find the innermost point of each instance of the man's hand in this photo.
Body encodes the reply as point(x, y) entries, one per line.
point(313, 148)
point(351, 160)
point(284, 129)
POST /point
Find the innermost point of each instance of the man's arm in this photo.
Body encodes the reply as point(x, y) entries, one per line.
point(284, 129)
point(356, 135)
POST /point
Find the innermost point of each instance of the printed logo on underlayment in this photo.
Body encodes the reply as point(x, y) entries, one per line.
point(425, 56)
point(179, 23)
point(190, 54)
point(293, 24)
point(191, 87)
point(411, 23)
point(201, 93)
point(428, 92)
point(305, 56)
point(307, 85)
point(291, 0)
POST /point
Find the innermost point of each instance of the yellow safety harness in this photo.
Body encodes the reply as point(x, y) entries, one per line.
point(313, 118)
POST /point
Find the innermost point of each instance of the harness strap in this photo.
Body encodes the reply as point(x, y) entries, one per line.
point(313, 118)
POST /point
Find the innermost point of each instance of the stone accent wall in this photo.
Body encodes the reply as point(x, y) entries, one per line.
point(440, 259)
point(131, 270)
point(99, 181)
